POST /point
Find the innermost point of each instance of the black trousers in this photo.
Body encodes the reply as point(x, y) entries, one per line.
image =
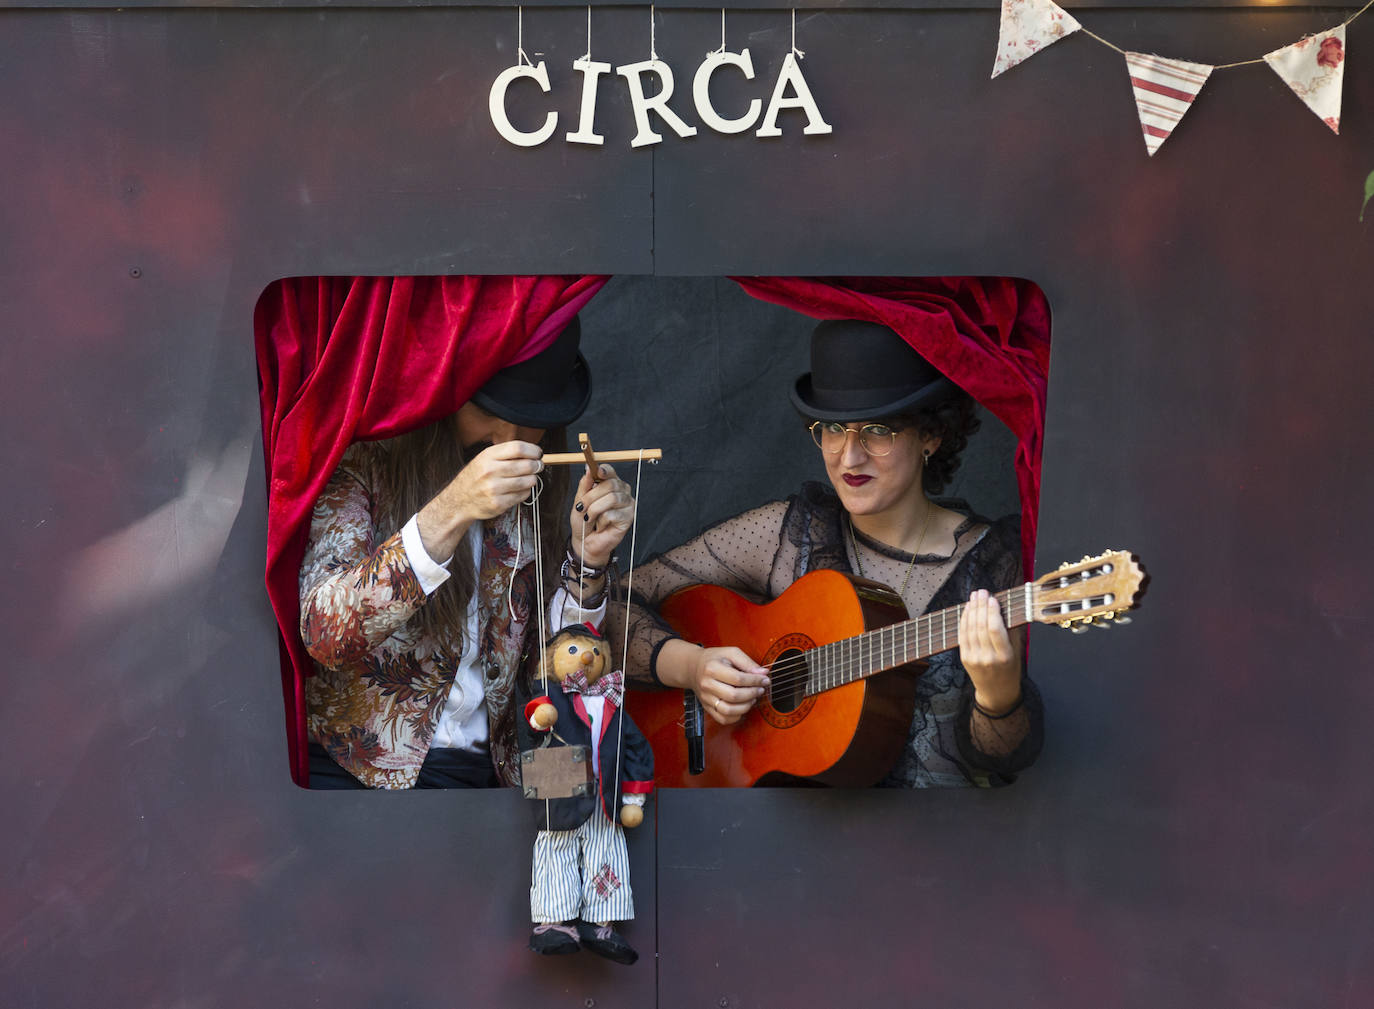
point(443, 768)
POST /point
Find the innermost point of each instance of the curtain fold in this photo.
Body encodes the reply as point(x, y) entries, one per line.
point(345, 359)
point(989, 335)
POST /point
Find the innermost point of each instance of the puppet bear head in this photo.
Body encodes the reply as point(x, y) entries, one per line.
point(573, 648)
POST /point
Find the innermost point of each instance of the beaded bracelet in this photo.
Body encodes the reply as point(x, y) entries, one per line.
point(593, 601)
point(583, 571)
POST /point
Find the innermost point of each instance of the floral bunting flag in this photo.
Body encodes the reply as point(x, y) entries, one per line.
point(1164, 91)
point(1028, 26)
point(1314, 68)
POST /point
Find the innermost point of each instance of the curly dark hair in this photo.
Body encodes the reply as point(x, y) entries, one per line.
point(952, 420)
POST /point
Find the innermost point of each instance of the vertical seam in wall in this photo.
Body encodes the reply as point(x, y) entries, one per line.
point(653, 212)
point(658, 978)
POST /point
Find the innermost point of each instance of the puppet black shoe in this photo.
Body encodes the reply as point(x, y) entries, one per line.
point(552, 940)
point(606, 941)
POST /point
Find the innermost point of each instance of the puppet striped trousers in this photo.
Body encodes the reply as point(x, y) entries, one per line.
point(582, 873)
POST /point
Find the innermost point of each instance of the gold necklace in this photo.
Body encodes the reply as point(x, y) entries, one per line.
point(930, 510)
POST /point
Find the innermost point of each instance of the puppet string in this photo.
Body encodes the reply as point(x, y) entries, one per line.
point(629, 586)
point(581, 593)
point(538, 531)
point(538, 555)
point(539, 576)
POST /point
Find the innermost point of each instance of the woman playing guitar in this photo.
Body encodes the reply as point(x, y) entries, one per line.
point(890, 430)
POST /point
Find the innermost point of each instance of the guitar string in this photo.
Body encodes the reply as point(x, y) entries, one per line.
point(1016, 604)
point(835, 672)
point(787, 672)
point(870, 643)
point(911, 634)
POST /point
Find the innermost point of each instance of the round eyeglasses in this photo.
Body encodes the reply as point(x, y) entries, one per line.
point(830, 436)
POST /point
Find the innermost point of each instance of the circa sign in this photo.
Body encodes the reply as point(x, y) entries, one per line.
point(790, 92)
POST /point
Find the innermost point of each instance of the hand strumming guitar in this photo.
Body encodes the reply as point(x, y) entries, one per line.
point(726, 681)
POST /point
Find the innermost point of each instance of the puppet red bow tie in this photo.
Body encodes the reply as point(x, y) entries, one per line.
point(611, 685)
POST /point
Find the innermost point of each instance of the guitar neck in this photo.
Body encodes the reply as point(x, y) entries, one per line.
point(840, 662)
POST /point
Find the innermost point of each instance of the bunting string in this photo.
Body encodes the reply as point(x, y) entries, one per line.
point(1165, 89)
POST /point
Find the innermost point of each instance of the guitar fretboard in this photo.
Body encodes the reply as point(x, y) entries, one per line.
point(840, 662)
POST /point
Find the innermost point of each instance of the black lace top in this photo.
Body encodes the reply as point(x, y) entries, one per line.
point(761, 552)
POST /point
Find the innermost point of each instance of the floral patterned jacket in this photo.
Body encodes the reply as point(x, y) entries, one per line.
point(380, 682)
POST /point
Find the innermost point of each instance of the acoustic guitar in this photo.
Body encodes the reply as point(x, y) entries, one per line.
point(843, 658)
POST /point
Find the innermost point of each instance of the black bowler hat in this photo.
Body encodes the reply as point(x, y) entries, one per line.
point(551, 389)
point(863, 371)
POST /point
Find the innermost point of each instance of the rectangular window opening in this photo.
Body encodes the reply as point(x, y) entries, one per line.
point(769, 469)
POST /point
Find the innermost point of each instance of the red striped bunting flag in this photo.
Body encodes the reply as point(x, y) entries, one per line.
point(1164, 90)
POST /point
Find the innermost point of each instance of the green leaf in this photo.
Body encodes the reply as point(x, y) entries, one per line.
point(1368, 193)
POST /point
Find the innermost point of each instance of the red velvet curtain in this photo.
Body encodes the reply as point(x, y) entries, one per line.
point(344, 359)
point(989, 335)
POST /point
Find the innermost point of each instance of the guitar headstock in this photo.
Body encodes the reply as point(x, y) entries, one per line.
point(1091, 592)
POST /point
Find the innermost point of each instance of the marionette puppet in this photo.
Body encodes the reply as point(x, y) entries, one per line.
point(580, 885)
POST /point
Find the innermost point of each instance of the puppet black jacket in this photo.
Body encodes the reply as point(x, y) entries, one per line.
point(635, 769)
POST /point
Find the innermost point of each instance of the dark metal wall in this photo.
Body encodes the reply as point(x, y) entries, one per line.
point(1197, 832)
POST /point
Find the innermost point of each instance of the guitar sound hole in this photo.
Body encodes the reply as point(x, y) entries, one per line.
point(788, 688)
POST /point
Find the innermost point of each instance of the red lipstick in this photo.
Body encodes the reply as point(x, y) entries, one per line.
point(856, 479)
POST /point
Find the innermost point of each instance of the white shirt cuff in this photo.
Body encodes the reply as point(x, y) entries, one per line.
point(564, 611)
point(430, 572)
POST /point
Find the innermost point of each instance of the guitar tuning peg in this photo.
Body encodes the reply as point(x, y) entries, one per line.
point(1079, 628)
point(1121, 620)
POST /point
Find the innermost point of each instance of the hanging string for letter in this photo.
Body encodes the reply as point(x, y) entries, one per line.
point(797, 52)
point(588, 57)
point(653, 53)
point(520, 58)
point(722, 48)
